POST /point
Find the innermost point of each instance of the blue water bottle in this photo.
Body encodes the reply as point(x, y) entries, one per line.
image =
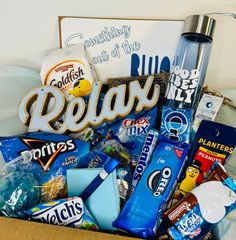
point(190, 62)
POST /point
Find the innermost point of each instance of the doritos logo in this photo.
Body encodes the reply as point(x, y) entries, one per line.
point(45, 152)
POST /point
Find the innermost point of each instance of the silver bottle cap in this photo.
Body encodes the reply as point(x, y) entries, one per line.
point(200, 24)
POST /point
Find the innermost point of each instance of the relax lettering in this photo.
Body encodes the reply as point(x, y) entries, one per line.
point(33, 110)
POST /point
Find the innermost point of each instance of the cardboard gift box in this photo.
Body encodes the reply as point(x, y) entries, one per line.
point(13, 229)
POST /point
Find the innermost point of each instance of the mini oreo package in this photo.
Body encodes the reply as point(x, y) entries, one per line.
point(205, 206)
point(51, 155)
point(142, 213)
point(69, 212)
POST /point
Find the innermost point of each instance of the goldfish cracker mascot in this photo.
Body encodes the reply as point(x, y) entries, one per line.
point(81, 88)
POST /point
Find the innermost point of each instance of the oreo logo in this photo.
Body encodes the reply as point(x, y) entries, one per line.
point(159, 180)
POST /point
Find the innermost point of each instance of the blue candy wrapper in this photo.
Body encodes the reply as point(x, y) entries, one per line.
point(142, 213)
point(69, 212)
point(99, 159)
point(17, 188)
point(205, 206)
point(51, 155)
point(131, 131)
point(176, 124)
point(144, 158)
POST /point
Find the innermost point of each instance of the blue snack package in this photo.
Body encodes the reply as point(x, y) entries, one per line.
point(145, 157)
point(142, 213)
point(176, 124)
point(99, 158)
point(51, 155)
point(69, 212)
point(17, 188)
point(202, 208)
point(131, 131)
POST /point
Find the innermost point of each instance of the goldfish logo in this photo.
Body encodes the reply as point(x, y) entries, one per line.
point(64, 74)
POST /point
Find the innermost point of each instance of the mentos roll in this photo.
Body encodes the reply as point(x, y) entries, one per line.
point(143, 211)
point(145, 157)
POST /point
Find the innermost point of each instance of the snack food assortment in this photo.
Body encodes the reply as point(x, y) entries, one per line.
point(167, 176)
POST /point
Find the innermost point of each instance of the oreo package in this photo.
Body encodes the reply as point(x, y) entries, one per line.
point(51, 155)
point(69, 212)
point(142, 213)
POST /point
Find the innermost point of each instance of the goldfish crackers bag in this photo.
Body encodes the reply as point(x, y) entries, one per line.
point(68, 69)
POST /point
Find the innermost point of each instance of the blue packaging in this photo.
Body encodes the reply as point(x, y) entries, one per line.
point(69, 212)
point(176, 124)
point(205, 206)
point(123, 172)
point(131, 131)
point(51, 155)
point(142, 213)
point(145, 157)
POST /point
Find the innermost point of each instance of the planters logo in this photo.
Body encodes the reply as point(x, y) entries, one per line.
point(136, 127)
point(158, 181)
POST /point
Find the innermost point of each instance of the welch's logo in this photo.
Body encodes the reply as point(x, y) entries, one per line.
point(68, 212)
point(158, 181)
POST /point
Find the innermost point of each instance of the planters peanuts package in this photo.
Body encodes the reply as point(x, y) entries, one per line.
point(51, 155)
point(131, 131)
point(213, 141)
point(205, 206)
point(142, 213)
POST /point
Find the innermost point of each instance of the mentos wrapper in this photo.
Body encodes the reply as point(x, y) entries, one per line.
point(51, 155)
point(145, 157)
point(69, 212)
point(143, 211)
point(176, 124)
point(206, 205)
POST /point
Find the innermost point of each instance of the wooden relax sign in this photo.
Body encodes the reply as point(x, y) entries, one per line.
point(34, 110)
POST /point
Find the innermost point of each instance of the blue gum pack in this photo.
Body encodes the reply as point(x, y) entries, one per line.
point(142, 213)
